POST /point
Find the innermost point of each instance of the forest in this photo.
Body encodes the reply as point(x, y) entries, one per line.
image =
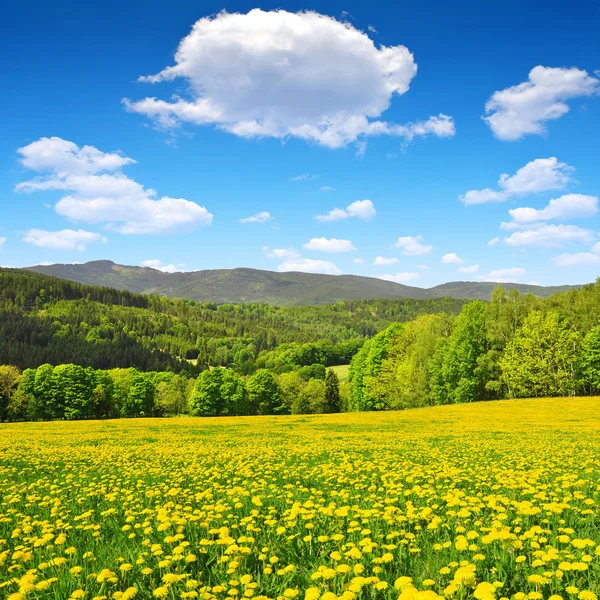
point(73, 351)
point(49, 320)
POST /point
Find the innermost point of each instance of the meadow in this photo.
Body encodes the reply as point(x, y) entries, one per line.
point(487, 501)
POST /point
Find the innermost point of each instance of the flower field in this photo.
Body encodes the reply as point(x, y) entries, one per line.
point(485, 501)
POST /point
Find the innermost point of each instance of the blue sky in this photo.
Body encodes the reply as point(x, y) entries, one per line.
point(296, 114)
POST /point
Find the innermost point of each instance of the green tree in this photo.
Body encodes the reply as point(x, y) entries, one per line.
point(332, 392)
point(75, 386)
point(140, 402)
point(264, 395)
point(45, 403)
point(590, 359)
point(456, 376)
point(316, 371)
point(311, 398)
point(9, 378)
point(541, 359)
point(218, 392)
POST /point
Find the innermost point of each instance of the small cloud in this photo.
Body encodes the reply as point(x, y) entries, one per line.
point(452, 259)
point(423, 267)
point(372, 29)
point(155, 263)
point(358, 261)
point(380, 260)
point(359, 209)
point(67, 239)
point(327, 188)
point(400, 277)
point(493, 241)
point(2, 241)
point(332, 246)
point(260, 217)
point(303, 177)
point(510, 275)
point(308, 265)
point(286, 253)
point(469, 269)
point(412, 246)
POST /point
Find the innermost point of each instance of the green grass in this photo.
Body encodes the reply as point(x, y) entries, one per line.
point(342, 372)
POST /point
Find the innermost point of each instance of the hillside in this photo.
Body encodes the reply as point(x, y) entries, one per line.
point(253, 285)
point(46, 319)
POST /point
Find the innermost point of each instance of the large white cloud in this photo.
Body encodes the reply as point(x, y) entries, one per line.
point(412, 245)
point(331, 246)
point(280, 74)
point(360, 209)
point(66, 239)
point(567, 207)
point(309, 265)
point(400, 277)
point(539, 175)
point(99, 193)
point(550, 236)
point(525, 108)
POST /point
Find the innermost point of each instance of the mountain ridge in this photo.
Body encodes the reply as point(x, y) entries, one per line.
point(243, 285)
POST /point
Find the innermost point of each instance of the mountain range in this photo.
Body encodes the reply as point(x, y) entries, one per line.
point(254, 285)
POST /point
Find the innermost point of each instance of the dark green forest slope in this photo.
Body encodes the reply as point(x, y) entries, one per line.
point(253, 285)
point(48, 320)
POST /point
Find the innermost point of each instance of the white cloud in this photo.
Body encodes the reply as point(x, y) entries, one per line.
point(260, 217)
point(281, 252)
point(525, 108)
point(358, 261)
point(332, 246)
point(279, 74)
point(360, 209)
point(412, 246)
point(469, 269)
point(2, 240)
point(493, 241)
point(424, 267)
point(550, 236)
point(67, 239)
point(400, 277)
point(380, 260)
point(303, 177)
point(67, 158)
point(567, 207)
point(100, 194)
point(155, 263)
point(308, 265)
point(327, 188)
point(579, 259)
point(539, 175)
point(452, 259)
point(504, 275)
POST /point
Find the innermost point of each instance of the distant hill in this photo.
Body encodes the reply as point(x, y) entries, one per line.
point(253, 285)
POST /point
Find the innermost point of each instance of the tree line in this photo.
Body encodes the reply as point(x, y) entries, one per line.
point(49, 320)
point(70, 391)
point(515, 346)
